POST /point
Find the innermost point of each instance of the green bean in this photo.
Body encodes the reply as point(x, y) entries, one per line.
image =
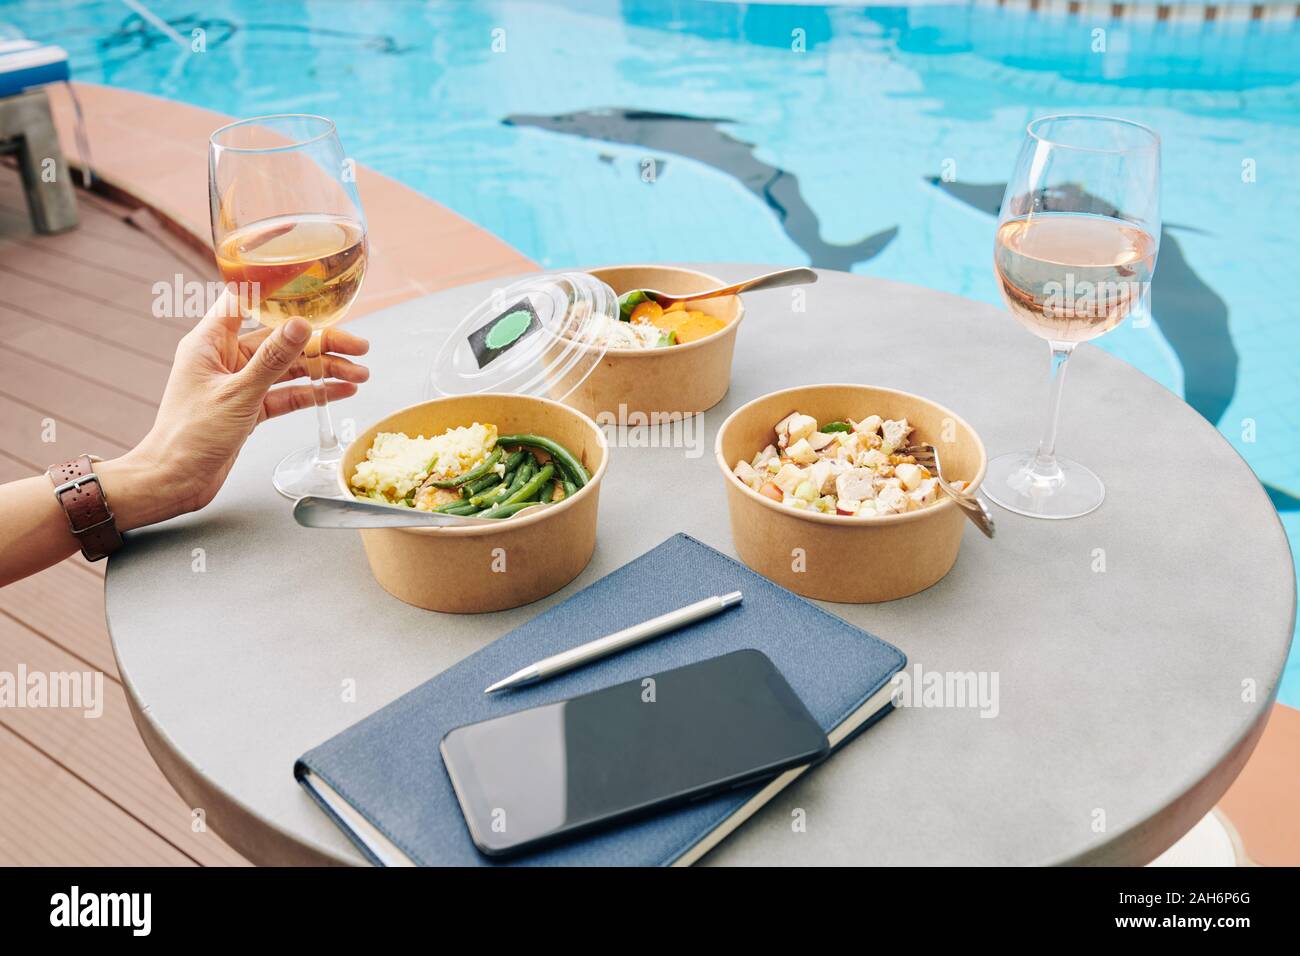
point(449, 507)
point(505, 489)
point(494, 494)
point(513, 473)
point(505, 511)
point(463, 509)
point(475, 473)
point(539, 483)
point(507, 477)
point(563, 459)
point(515, 460)
point(483, 484)
point(532, 486)
point(496, 491)
point(547, 493)
point(509, 468)
point(569, 488)
point(524, 474)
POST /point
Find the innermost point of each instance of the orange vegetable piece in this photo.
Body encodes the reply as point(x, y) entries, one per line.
point(697, 326)
point(676, 307)
point(647, 312)
point(671, 321)
point(772, 491)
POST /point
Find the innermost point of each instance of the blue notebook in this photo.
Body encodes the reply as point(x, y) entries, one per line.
point(382, 780)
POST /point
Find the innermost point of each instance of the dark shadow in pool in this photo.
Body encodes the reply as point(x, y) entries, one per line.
point(702, 139)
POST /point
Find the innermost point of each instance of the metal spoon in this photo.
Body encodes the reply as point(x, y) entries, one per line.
point(313, 512)
point(773, 280)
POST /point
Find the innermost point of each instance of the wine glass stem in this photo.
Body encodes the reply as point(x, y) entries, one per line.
point(327, 443)
point(1045, 457)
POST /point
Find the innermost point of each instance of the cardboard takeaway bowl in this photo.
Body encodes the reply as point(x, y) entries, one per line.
point(681, 379)
point(459, 570)
point(840, 558)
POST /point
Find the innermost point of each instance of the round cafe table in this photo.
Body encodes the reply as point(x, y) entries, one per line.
point(1136, 650)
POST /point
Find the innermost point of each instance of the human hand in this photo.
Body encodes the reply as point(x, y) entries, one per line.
point(222, 385)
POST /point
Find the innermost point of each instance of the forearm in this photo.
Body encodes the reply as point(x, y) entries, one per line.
point(34, 531)
point(220, 387)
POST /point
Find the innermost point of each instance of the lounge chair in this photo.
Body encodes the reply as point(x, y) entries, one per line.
point(27, 129)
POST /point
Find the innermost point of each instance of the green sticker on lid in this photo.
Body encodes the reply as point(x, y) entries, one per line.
point(508, 328)
point(503, 332)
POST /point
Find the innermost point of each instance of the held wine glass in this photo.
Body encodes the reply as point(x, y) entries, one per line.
point(1074, 254)
point(291, 239)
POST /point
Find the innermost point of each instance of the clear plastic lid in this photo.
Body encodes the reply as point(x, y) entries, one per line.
point(536, 337)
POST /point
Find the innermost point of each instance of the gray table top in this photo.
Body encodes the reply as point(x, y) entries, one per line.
point(1128, 697)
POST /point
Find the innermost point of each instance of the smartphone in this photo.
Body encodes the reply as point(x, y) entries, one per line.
point(540, 775)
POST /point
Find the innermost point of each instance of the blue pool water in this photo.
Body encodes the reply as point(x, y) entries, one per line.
point(872, 139)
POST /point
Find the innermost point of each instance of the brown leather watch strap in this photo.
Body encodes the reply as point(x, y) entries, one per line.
point(77, 488)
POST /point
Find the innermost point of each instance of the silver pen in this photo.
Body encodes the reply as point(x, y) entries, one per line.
point(613, 643)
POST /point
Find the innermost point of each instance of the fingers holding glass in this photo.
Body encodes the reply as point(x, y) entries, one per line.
point(290, 238)
point(335, 367)
point(291, 398)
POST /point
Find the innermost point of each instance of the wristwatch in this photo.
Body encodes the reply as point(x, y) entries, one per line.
point(79, 493)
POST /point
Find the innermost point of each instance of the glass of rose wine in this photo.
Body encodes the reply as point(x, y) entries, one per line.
point(1074, 253)
point(290, 238)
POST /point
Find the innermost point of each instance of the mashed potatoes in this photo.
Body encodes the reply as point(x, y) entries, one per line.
point(396, 464)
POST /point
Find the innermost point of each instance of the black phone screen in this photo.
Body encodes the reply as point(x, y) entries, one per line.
point(539, 774)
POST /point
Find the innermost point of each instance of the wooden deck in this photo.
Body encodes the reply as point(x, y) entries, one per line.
point(81, 350)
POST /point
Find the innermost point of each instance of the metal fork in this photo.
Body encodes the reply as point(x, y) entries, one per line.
point(927, 456)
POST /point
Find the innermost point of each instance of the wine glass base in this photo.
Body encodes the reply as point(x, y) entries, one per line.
point(308, 472)
point(1069, 492)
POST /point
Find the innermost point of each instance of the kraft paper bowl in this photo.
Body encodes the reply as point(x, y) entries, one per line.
point(681, 379)
point(488, 567)
point(840, 558)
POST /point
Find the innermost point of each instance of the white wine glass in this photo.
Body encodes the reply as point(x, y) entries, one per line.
point(1074, 254)
point(290, 237)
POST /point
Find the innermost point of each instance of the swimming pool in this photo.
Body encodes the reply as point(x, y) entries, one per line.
point(872, 139)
